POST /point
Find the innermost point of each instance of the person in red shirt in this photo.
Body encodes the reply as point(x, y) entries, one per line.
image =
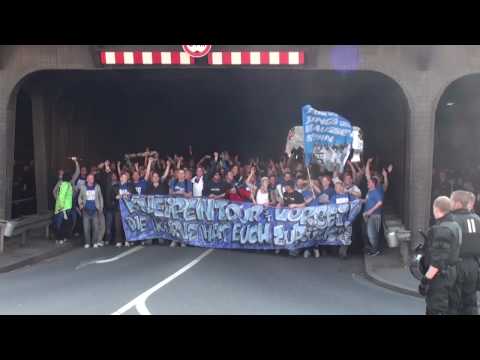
point(234, 194)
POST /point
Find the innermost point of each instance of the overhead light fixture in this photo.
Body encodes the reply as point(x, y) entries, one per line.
point(450, 103)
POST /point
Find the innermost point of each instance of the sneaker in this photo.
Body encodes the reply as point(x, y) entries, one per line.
point(97, 245)
point(86, 246)
point(306, 254)
point(277, 251)
point(374, 253)
point(127, 244)
point(316, 253)
point(118, 245)
point(173, 244)
point(183, 245)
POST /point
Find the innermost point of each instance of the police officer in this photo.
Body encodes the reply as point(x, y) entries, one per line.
point(468, 268)
point(441, 249)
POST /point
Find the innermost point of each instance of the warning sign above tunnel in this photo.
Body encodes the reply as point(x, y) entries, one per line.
point(197, 51)
point(225, 58)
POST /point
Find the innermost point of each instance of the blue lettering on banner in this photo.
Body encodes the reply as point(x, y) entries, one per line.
point(223, 224)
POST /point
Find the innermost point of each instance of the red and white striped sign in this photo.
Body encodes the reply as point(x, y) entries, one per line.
point(256, 58)
point(146, 58)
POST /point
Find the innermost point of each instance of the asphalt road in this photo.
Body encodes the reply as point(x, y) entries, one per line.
point(161, 280)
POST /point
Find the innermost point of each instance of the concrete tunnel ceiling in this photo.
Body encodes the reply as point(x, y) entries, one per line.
point(246, 110)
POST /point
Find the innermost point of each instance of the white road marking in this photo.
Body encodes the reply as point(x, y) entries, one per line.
point(105, 261)
point(139, 301)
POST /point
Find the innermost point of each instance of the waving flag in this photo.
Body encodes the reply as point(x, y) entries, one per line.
point(327, 138)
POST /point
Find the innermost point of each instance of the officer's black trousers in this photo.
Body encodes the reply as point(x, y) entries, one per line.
point(466, 287)
point(441, 295)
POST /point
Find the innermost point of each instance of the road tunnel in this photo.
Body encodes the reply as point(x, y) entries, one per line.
point(103, 114)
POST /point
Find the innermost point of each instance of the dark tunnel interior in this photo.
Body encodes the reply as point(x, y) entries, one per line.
point(457, 127)
point(104, 114)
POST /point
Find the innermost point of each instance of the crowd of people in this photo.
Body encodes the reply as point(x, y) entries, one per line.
point(88, 200)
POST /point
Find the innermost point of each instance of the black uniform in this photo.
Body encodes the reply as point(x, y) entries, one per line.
point(442, 250)
point(468, 267)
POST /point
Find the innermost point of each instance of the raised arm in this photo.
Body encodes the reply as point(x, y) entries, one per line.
point(76, 174)
point(146, 157)
point(128, 162)
point(354, 171)
point(367, 169)
point(200, 162)
point(149, 168)
point(167, 170)
point(385, 180)
point(250, 176)
point(119, 171)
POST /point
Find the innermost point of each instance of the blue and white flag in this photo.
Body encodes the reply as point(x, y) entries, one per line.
point(327, 138)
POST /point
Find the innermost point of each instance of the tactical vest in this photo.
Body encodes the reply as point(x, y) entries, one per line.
point(470, 225)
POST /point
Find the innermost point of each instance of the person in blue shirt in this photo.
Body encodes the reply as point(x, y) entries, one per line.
point(90, 201)
point(180, 187)
point(372, 215)
point(340, 197)
point(324, 194)
point(139, 184)
point(327, 188)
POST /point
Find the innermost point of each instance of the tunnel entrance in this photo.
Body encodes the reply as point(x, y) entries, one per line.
point(457, 128)
point(105, 114)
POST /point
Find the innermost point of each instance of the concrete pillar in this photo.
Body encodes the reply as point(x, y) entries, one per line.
point(3, 158)
point(39, 114)
point(421, 144)
point(7, 139)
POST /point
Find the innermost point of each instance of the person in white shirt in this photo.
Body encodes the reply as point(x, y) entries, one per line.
point(198, 182)
point(350, 187)
point(262, 195)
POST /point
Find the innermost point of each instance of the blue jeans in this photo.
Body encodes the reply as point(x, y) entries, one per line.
point(62, 227)
point(372, 225)
point(57, 221)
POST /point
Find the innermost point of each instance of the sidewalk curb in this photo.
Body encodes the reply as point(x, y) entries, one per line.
point(378, 280)
point(38, 258)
